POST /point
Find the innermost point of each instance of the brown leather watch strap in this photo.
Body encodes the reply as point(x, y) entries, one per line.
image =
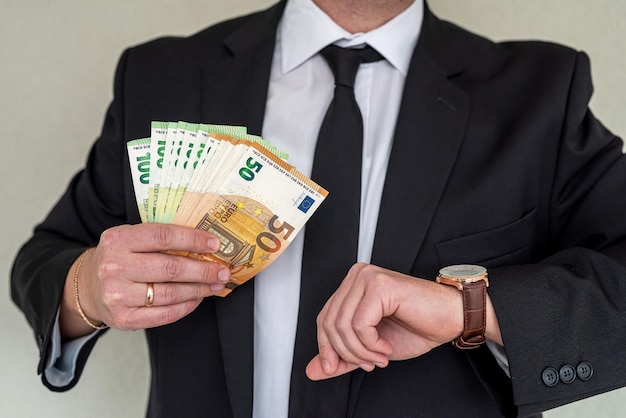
point(474, 315)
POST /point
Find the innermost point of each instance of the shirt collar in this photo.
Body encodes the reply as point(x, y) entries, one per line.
point(305, 29)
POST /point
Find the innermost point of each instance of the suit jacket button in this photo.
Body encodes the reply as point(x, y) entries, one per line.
point(567, 374)
point(584, 371)
point(550, 376)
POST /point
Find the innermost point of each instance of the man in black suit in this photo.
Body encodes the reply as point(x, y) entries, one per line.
point(492, 159)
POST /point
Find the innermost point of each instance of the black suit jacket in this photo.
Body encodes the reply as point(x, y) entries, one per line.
point(496, 160)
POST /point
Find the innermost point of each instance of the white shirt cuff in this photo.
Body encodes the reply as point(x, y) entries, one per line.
point(61, 365)
point(500, 355)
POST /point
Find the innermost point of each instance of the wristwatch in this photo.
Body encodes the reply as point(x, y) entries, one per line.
point(473, 282)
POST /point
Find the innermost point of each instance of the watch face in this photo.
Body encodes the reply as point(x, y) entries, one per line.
point(463, 270)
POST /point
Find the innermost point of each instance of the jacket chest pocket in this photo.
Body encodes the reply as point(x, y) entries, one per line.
point(504, 245)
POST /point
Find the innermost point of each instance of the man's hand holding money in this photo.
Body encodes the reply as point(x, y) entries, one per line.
point(127, 282)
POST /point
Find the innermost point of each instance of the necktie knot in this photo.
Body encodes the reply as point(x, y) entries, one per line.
point(345, 62)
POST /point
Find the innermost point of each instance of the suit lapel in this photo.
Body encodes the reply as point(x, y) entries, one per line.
point(235, 89)
point(429, 130)
point(235, 93)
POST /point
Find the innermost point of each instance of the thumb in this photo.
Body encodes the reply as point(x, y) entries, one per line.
point(315, 371)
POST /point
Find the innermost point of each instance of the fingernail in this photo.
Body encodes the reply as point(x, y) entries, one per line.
point(326, 366)
point(380, 365)
point(223, 275)
point(367, 367)
point(214, 244)
point(217, 288)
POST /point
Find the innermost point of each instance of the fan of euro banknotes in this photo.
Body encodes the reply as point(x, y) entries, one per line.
point(220, 179)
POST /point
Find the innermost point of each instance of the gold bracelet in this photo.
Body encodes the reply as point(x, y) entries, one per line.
point(80, 309)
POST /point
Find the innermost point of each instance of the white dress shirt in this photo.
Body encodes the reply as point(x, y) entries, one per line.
point(300, 90)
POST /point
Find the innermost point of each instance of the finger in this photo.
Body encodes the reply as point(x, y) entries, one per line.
point(374, 343)
point(367, 316)
point(337, 338)
point(159, 267)
point(169, 293)
point(334, 332)
point(341, 329)
point(330, 342)
point(328, 357)
point(315, 371)
point(150, 237)
point(153, 316)
point(186, 269)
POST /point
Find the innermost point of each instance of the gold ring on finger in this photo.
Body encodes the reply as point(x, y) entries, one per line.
point(150, 295)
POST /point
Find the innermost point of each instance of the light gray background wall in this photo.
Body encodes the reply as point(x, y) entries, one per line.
point(56, 67)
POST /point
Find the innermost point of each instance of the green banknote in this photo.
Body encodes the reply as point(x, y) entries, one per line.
point(223, 180)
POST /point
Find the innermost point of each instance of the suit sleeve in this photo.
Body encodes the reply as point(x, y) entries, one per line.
point(566, 313)
point(94, 201)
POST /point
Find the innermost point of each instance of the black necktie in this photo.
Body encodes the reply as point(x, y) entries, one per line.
point(331, 237)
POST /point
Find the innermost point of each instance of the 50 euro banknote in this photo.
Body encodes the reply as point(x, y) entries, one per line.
point(246, 195)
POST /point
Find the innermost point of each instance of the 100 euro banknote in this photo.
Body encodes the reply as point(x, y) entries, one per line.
point(244, 193)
